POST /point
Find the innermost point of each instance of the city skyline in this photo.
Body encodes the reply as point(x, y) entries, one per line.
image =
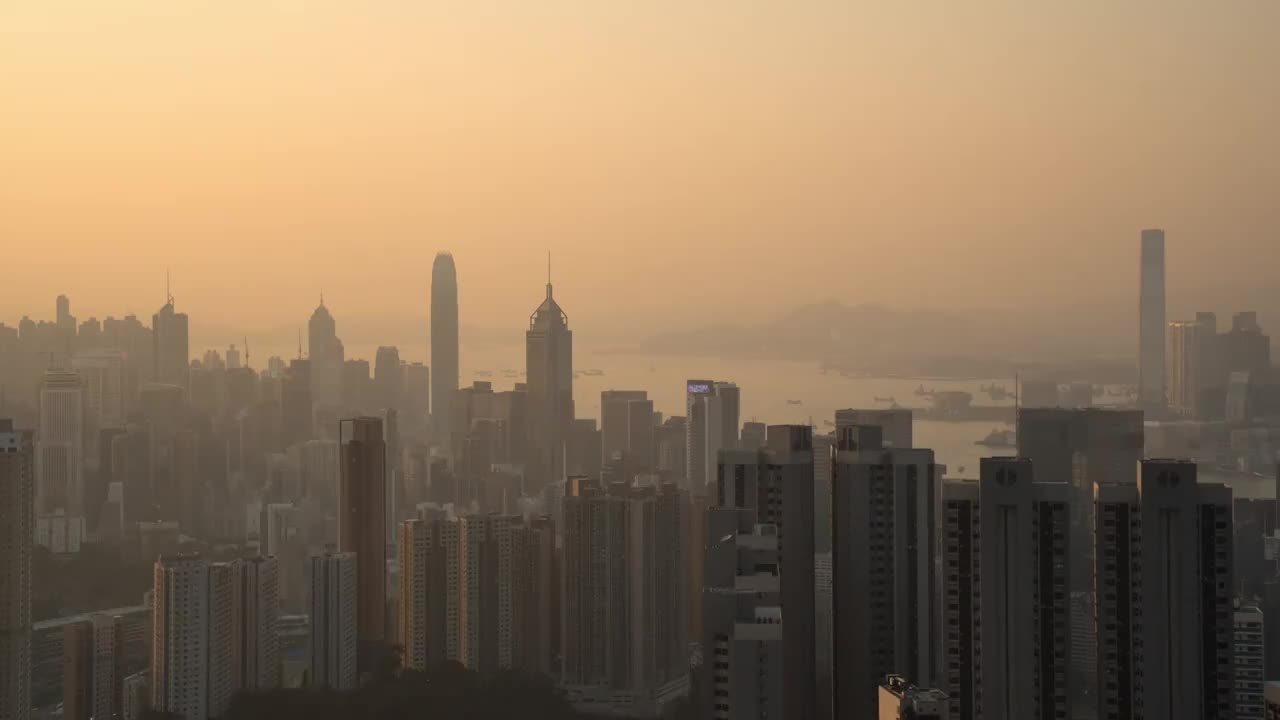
point(900, 362)
point(974, 134)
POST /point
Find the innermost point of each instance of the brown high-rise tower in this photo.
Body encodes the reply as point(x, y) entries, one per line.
point(362, 529)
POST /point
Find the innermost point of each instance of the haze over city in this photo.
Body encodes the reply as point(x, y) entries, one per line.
point(579, 360)
point(859, 152)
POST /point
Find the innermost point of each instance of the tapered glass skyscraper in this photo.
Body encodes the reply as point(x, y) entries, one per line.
point(444, 345)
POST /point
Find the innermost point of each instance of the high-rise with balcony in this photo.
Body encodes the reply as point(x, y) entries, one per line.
point(1184, 368)
point(257, 642)
point(1025, 611)
point(960, 670)
point(93, 667)
point(743, 667)
point(1164, 585)
point(777, 483)
point(624, 629)
point(333, 600)
point(1248, 657)
point(180, 670)
point(422, 626)
point(17, 498)
point(884, 579)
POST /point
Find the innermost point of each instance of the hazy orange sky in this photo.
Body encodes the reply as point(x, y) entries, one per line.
point(734, 156)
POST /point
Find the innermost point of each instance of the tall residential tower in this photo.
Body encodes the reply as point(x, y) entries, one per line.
point(17, 498)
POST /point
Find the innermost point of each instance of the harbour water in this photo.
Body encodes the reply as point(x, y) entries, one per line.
point(778, 392)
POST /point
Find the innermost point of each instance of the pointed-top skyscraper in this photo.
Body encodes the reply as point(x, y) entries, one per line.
point(326, 353)
point(549, 373)
point(444, 345)
point(169, 343)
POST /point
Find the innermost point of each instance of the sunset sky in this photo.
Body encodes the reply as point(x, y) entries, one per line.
point(713, 158)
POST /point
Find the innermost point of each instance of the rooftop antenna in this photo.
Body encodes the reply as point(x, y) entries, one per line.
point(322, 298)
point(168, 295)
point(246, 351)
point(299, 343)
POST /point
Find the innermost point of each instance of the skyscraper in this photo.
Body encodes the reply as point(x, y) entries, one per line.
point(60, 460)
point(1151, 367)
point(1248, 660)
point(180, 672)
point(884, 552)
point(778, 484)
point(624, 631)
point(549, 375)
point(357, 386)
point(1164, 601)
point(388, 380)
point(223, 635)
point(17, 498)
point(1025, 610)
point(743, 622)
point(423, 588)
point(297, 417)
point(362, 527)
point(614, 417)
point(170, 346)
point(77, 671)
point(444, 346)
point(333, 620)
point(326, 355)
point(895, 424)
point(417, 393)
point(1184, 368)
point(711, 410)
point(961, 599)
point(258, 643)
point(102, 374)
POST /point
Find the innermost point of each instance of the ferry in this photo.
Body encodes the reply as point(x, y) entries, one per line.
point(999, 438)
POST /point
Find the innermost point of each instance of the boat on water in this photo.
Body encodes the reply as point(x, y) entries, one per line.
point(794, 402)
point(996, 392)
point(920, 391)
point(886, 399)
point(999, 438)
